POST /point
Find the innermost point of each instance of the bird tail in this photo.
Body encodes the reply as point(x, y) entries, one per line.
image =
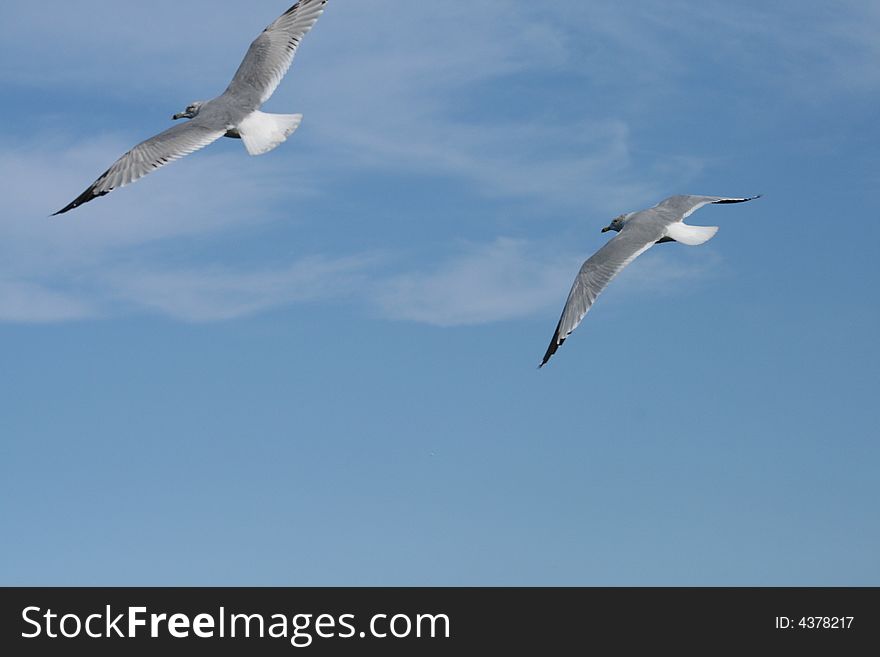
point(262, 132)
point(690, 235)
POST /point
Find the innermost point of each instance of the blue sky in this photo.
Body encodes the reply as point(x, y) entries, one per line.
point(318, 367)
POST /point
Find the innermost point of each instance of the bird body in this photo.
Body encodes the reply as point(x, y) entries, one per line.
point(636, 233)
point(234, 113)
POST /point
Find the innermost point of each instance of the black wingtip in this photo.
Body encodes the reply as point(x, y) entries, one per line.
point(736, 200)
point(89, 195)
point(555, 343)
point(69, 207)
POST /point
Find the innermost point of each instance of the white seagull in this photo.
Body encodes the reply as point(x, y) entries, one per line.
point(235, 113)
point(636, 233)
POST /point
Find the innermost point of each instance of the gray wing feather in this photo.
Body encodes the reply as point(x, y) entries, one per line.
point(148, 156)
point(271, 53)
point(594, 276)
point(676, 208)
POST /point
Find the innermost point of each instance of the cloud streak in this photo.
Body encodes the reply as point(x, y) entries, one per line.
point(29, 302)
point(513, 278)
point(117, 256)
point(501, 280)
point(214, 293)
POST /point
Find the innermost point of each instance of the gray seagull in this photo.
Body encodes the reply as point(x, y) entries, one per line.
point(235, 113)
point(636, 233)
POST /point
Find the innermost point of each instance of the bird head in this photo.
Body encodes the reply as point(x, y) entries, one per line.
point(615, 225)
point(191, 111)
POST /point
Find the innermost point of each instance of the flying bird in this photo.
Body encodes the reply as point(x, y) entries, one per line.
point(636, 233)
point(235, 113)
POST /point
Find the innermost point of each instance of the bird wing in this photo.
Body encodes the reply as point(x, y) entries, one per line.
point(679, 208)
point(148, 156)
point(271, 53)
point(594, 276)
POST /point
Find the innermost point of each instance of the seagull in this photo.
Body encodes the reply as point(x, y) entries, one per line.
point(235, 113)
point(636, 233)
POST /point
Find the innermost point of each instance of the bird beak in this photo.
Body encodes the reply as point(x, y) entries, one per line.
point(177, 116)
point(606, 229)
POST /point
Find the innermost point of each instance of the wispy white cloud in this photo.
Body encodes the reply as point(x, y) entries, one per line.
point(82, 265)
point(204, 193)
point(811, 52)
point(512, 278)
point(786, 49)
point(668, 269)
point(216, 293)
point(163, 46)
point(177, 46)
point(25, 301)
point(501, 280)
point(413, 97)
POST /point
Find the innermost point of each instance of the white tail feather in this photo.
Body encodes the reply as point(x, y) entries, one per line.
point(691, 235)
point(262, 132)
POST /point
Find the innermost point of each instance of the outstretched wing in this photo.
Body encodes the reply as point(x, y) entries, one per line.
point(271, 53)
point(148, 156)
point(594, 276)
point(678, 208)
